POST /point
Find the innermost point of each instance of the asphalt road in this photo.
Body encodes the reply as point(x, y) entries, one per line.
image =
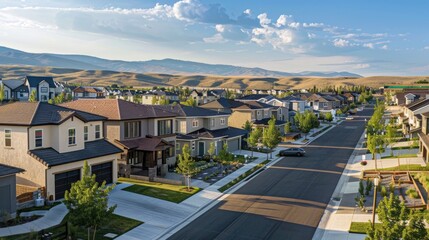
point(287, 200)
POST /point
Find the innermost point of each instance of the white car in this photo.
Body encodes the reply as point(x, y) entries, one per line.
point(349, 118)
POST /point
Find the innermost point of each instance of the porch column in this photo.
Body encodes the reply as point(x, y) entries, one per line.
point(152, 166)
point(164, 167)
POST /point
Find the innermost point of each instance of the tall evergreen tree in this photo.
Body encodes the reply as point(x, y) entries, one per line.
point(33, 96)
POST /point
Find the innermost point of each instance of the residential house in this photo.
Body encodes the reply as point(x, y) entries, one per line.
point(45, 87)
point(152, 97)
point(145, 133)
point(351, 97)
point(322, 102)
point(222, 105)
point(424, 137)
point(8, 189)
point(408, 96)
point(199, 127)
point(204, 96)
point(51, 143)
point(88, 92)
point(14, 89)
point(256, 97)
point(411, 118)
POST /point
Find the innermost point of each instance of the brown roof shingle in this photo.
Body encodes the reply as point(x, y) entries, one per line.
point(117, 109)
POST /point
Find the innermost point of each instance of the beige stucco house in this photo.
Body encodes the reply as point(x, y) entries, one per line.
point(51, 144)
point(145, 133)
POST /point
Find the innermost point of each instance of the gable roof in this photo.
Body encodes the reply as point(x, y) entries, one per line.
point(12, 84)
point(145, 144)
point(6, 170)
point(228, 132)
point(222, 103)
point(188, 111)
point(419, 104)
point(254, 105)
point(87, 89)
point(93, 149)
point(117, 109)
point(34, 81)
point(255, 97)
point(39, 113)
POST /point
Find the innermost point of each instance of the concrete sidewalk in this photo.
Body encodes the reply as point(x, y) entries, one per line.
point(51, 218)
point(338, 216)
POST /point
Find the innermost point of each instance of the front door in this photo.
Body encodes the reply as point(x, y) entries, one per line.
point(201, 149)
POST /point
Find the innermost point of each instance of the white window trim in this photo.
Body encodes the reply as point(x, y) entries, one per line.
point(8, 129)
point(68, 137)
point(193, 145)
point(35, 130)
point(95, 131)
point(195, 123)
point(86, 134)
point(222, 121)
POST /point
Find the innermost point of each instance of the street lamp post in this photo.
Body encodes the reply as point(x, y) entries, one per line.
point(374, 204)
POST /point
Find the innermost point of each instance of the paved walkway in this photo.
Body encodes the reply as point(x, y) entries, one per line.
point(338, 216)
point(51, 218)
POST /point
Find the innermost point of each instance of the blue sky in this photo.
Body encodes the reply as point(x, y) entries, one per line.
point(375, 37)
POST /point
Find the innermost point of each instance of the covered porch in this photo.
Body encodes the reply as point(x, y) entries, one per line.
point(146, 157)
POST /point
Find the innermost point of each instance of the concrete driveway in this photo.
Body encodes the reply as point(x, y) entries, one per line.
point(158, 215)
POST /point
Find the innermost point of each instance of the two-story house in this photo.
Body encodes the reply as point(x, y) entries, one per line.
point(411, 119)
point(424, 137)
point(199, 127)
point(14, 89)
point(51, 144)
point(45, 87)
point(154, 97)
point(145, 133)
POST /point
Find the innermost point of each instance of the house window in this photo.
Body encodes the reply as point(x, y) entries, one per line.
point(170, 151)
point(132, 129)
point(259, 113)
point(165, 127)
point(7, 138)
point(43, 89)
point(193, 145)
point(213, 122)
point(38, 136)
point(195, 123)
point(222, 121)
point(97, 131)
point(266, 112)
point(158, 154)
point(72, 136)
point(85, 133)
point(177, 147)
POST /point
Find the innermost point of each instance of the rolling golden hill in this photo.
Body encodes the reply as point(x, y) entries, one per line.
point(106, 78)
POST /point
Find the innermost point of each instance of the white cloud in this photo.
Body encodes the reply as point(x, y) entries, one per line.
point(311, 35)
point(384, 47)
point(361, 66)
point(294, 24)
point(339, 42)
point(247, 12)
point(281, 21)
point(263, 19)
point(313, 25)
point(220, 28)
point(217, 38)
point(369, 45)
point(426, 48)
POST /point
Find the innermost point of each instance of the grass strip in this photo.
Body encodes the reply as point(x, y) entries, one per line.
point(242, 176)
point(168, 192)
point(361, 227)
point(405, 167)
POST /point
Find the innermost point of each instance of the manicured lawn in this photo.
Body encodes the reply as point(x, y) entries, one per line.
point(168, 192)
point(360, 227)
point(242, 176)
point(411, 155)
point(116, 225)
point(406, 167)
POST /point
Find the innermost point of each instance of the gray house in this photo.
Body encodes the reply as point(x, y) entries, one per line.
point(8, 188)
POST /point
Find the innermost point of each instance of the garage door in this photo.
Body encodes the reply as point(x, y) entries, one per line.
point(63, 182)
point(103, 172)
point(233, 145)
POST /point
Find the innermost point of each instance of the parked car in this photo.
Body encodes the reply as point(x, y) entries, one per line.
point(292, 152)
point(349, 118)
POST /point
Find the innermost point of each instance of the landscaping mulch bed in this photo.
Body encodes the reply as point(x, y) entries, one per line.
point(18, 221)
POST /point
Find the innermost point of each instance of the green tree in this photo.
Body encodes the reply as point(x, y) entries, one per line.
point(393, 215)
point(1, 92)
point(375, 145)
point(164, 101)
point(212, 149)
point(415, 228)
point(155, 100)
point(254, 138)
point(190, 102)
point(186, 165)
point(271, 135)
point(87, 202)
point(224, 156)
point(33, 96)
point(329, 117)
point(390, 138)
point(247, 126)
point(288, 127)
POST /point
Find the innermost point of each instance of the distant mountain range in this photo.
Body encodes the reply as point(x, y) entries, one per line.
point(10, 56)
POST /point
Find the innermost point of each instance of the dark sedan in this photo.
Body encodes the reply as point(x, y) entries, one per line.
point(292, 152)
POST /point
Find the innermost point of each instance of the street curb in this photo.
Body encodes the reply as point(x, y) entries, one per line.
point(173, 229)
point(333, 205)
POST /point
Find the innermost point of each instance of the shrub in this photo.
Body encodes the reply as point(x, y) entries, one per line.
point(383, 191)
point(361, 188)
point(368, 187)
point(412, 193)
point(363, 162)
